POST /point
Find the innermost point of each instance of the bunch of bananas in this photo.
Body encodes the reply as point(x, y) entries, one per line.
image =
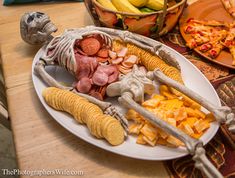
point(133, 6)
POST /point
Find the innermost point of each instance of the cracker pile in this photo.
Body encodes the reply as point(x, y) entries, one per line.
point(174, 110)
point(99, 124)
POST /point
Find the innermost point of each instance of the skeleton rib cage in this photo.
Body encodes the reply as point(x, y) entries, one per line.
point(63, 48)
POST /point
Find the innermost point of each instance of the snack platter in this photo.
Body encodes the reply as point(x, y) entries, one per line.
point(192, 78)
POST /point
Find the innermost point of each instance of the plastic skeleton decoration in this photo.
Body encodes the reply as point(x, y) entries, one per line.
point(131, 87)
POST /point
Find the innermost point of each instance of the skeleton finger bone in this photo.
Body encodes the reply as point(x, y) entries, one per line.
point(222, 114)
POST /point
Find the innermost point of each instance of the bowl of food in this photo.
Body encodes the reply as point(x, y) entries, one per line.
point(151, 18)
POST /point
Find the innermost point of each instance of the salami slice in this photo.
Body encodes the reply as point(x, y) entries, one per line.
point(90, 45)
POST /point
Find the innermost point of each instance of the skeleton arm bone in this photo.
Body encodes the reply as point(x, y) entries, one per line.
point(194, 146)
point(40, 70)
point(222, 114)
point(105, 106)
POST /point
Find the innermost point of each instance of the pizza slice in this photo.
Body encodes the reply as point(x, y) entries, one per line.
point(197, 40)
point(205, 47)
point(229, 42)
point(213, 23)
point(215, 37)
point(215, 50)
point(193, 28)
point(229, 5)
point(210, 37)
point(232, 51)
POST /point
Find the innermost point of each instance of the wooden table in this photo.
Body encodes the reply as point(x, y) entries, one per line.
point(40, 142)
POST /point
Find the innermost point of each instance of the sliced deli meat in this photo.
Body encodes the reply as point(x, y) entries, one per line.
point(122, 52)
point(86, 66)
point(117, 60)
point(84, 85)
point(111, 71)
point(112, 54)
point(100, 78)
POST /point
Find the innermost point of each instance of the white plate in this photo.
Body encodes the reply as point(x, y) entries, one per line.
point(193, 79)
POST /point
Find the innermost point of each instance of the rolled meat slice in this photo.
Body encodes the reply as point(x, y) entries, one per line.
point(84, 85)
point(122, 52)
point(130, 61)
point(117, 60)
point(112, 54)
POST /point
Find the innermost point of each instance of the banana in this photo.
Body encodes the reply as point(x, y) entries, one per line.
point(138, 3)
point(125, 6)
point(107, 4)
point(155, 4)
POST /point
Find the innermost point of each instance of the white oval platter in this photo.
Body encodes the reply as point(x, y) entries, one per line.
point(192, 78)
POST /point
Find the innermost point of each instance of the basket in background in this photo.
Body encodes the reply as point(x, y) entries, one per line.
point(152, 24)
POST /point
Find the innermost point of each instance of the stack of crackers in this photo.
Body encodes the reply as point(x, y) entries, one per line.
point(99, 124)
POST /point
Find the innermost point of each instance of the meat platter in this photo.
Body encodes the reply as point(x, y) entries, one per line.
point(116, 58)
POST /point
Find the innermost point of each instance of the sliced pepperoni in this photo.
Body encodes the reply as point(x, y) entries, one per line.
point(100, 78)
point(101, 59)
point(90, 45)
point(103, 52)
point(96, 94)
point(84, 85)
point(103, 90)
point(99, 38)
